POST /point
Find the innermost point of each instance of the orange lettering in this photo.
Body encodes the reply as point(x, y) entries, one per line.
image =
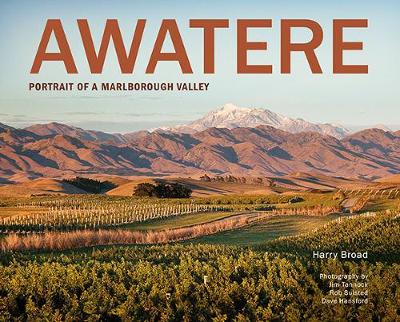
point(65, 55)
point(243, 46)
point(309, 48)
point(209, 26)
point(111, 30)
point(339, 46)
point(169, 26)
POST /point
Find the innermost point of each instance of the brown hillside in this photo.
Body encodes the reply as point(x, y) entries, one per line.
point(39, 187)
point(260, 151)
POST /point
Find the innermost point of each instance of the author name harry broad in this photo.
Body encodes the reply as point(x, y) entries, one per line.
point(344, 254)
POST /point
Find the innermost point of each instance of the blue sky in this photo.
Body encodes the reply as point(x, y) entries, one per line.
point(355, 100)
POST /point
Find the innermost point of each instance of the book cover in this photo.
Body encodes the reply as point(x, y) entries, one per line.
point(199, 160)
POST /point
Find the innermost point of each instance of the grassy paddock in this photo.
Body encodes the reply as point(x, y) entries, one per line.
point(268, 229)
point(380, 204)
point(179, 221)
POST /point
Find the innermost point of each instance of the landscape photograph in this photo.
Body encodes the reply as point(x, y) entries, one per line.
point(236, 202)
point(241, 198)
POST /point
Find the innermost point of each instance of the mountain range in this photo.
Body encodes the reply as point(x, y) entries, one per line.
point(241, 148)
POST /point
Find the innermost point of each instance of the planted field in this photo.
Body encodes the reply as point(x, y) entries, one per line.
point(95, 216)
point(68, 213)
point(205, 282)
point(55, 240)
point(206, 219)
point(378, 233)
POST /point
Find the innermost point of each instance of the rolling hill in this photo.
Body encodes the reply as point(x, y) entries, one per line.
point(38, 187)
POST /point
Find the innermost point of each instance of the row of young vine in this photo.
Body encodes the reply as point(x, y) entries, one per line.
point(97, 216)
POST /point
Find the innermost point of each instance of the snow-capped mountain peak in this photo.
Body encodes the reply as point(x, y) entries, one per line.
point(229, 107)
point(232, 116)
